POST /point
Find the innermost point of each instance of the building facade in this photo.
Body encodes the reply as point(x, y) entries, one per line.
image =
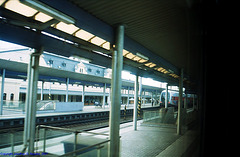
point(16, 89)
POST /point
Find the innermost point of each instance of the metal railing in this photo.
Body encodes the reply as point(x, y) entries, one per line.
point(168, 117)
point(41, 143)
point(46, 105)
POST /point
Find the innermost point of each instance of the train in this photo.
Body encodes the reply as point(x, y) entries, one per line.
point(173, 97)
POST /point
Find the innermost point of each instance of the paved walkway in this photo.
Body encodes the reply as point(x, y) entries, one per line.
point(150, 141)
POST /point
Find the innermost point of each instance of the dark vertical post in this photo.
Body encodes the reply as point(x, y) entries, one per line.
point(2, 91)
point(180, 104)
point(135, 103)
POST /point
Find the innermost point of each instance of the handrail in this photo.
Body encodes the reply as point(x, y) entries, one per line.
point(76, 132)
point(83, 149)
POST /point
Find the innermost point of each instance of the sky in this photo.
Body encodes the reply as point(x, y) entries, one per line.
point(125, 75)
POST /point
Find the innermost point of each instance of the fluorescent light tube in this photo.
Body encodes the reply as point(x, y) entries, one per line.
point(49, 11)
point(142, 56)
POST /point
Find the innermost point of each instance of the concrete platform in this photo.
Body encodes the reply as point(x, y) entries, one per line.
point(155, 141)
point(146, 141)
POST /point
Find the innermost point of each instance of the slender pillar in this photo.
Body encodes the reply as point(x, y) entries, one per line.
point(128, 97)
point(193, 101)
point(83, 94)
point(30, 119)
point(166, 96)
point(155, 102)
point(49, 91)
point(2, 91)
point(185, 101)
point(104, 95)
point(116, 84)
point(42, 88)
point(67, 83)
point(180, 105)
point(27, 104)
point(135, 104)
point(152, 98)
point(144, 98)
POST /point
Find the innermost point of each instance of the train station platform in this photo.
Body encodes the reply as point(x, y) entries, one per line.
point(147, 140)
point(160, 141)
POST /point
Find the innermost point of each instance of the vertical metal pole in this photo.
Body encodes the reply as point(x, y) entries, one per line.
point(128, 97)
point(27, 104)
point(67, 83)
point(155, 102)
point(166, 96)
point(12, 143)
point(42, 90)
point(180, 105)
point(193, 101)
point(104, 95)
point(49, 91)
point(116, 84)
point(185, 101)
point(75, 143)
point(152, 98)
point(44, 139)
point(32, 107)
point(83, 94)
point(135, 103)
point(2, 90)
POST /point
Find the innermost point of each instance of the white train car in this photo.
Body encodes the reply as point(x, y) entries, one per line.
point(173, 97)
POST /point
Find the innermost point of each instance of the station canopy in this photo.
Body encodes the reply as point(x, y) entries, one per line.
point(161, 36)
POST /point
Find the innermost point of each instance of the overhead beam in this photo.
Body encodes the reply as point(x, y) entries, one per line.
point(99, 28)
point(30, 38)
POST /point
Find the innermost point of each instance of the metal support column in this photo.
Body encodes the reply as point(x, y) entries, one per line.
point(152, 98)
point(49, 91)
point(180, 104)
point(116, 85)
point(67, 83)
point(128, 98)
point(104, 95)
point(30, 119)
point(166, 97)
point(185, 101)
point(83, 94)
point(2, 91)
point(193, 101)
point(42, 88)
point(135, 103)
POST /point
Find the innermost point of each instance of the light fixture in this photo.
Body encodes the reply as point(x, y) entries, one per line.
point(20, 8)
point(171, 71)
point(42, 17)
point(97, 41)
point(83, 35)
point(49, 11)
point(68, 28)
point(142, 56)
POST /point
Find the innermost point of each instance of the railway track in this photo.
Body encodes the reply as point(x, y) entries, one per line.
point(85, 123)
